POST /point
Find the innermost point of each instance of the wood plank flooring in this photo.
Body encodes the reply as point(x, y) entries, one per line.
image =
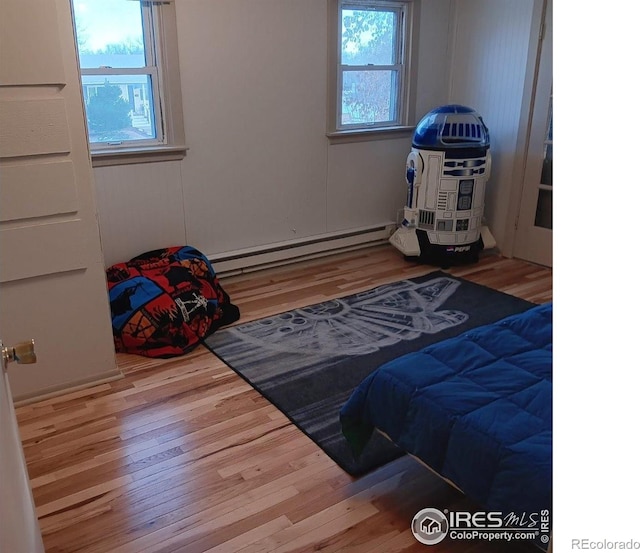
point(182, 455)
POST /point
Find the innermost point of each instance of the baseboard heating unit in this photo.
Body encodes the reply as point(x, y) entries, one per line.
point(282, 253)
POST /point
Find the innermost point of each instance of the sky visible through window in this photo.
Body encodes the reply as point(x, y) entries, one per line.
point(103, 22)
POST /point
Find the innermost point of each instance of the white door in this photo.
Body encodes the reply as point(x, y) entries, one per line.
point(52, 276)
point(534, 231)
point(52, 281)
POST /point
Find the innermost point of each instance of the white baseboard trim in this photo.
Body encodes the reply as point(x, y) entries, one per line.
point(68, 388)
point(282, 253)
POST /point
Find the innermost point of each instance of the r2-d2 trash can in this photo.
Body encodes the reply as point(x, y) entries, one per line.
point(446, 174)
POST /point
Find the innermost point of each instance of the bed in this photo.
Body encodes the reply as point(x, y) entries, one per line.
point(476, 409)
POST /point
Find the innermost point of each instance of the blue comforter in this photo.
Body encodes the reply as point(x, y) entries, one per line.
point(475, 408)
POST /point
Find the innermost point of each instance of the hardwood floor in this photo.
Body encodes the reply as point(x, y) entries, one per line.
point(182, 455)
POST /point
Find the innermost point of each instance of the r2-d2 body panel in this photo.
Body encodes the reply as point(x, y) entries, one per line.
point(446, 173)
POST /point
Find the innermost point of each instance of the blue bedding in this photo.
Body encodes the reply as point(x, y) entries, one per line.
point(475, 408)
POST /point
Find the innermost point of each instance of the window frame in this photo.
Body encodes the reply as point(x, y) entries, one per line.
point(405, 50)
point(159, 28)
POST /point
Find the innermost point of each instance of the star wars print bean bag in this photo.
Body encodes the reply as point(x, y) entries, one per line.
point(164, 302)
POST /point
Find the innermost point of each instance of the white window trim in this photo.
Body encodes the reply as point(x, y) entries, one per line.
point(167, 96)
point(351, 133)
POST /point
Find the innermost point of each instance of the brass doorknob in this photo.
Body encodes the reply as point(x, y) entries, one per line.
point(22, 353)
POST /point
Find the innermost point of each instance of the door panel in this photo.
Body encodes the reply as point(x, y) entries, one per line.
point(52, 277)
point(534, 232)
point(60, 195)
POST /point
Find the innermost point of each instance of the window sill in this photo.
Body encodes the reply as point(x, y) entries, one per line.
point(146, 154)
point(364, 135)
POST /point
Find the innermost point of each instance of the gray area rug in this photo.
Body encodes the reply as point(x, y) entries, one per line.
point(308, 361)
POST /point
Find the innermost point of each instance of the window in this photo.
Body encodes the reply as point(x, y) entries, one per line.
point(124, 68)
point(372, 64)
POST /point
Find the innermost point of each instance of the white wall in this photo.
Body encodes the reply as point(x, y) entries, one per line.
point(260, 168)
point(490, 52)
point(434, 62)
point(140, 208)
point(253, 76)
